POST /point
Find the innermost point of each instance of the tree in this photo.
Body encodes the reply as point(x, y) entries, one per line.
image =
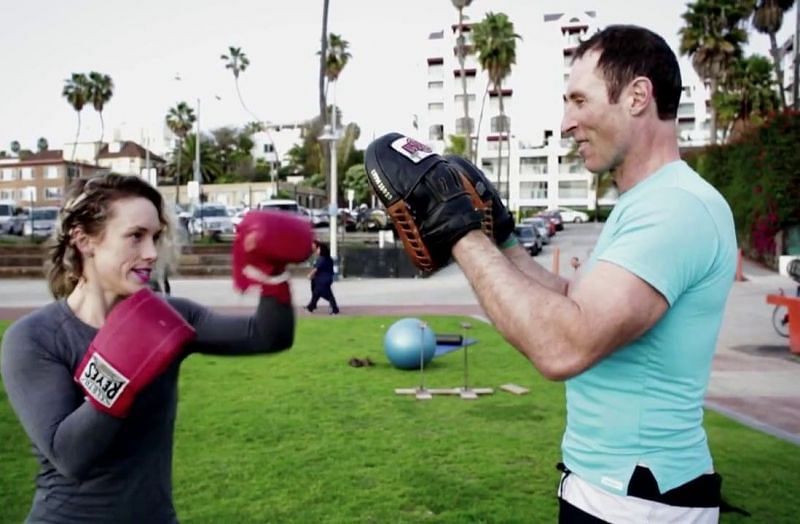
point(496, 44)
point(768, 19)
point(42, 145)
point(76, 91)
point(747, 95)
point(237, 62)
point(183, 158)
point(180, 120)
point(713, 36)
point(101, 89)
point(457, 146)
point(462, 52)
point(355, 178)
point(335, 62)
point(323, 56)
point(15, 147)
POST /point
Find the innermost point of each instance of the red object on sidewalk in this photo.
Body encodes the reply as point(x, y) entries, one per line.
point(793, 305)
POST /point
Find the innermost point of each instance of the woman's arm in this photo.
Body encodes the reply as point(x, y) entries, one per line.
point(67, 430)
point(269, 330)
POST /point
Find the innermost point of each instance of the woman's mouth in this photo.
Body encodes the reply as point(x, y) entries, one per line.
point(143, 274)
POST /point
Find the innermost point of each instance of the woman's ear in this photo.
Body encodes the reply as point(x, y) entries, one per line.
point(82, 242)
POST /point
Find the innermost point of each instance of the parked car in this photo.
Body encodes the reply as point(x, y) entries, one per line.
point(542, 225)
point(40, 222)
point(319, 217)
point(530, 239)
point(554, 217)
point(10, 223)
point(572, 215)
point(210, 219)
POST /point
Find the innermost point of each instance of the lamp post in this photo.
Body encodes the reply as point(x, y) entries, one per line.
point(331, 135)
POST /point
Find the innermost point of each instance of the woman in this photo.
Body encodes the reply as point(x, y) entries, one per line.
point(96, 464)
point(322, 279)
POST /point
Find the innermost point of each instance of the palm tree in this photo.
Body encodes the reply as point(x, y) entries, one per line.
point(180, 120)
point(496, 44)
point(237, 62)
point(768, 19)
point(210, 166)
point(748, 95)
point(76, 91)
point(101, 89)
point(335, 62)
point(713, 36)
point(15, 147)
point(42, 145)
point(462, 52)
point(457, 146)
point(323, 56)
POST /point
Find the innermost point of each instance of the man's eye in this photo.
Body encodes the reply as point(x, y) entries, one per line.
point(156, 238)
point(137, 235)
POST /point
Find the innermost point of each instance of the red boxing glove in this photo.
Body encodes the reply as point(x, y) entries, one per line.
point(139, 340)
point(266, 241)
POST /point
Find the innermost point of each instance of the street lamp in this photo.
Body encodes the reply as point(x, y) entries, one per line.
point(330, 134)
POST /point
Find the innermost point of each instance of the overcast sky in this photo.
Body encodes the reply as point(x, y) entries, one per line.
point(144, 44)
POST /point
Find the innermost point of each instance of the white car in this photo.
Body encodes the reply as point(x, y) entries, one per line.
point(210, 219)
point(572, 215)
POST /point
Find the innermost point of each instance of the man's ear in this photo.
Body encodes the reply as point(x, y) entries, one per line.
point(640, 95)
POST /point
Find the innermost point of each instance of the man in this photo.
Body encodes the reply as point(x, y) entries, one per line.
point(633, 335)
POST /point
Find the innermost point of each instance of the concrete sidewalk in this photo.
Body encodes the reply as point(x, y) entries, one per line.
point(755, 379)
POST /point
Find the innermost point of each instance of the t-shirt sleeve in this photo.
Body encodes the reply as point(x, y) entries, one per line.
point(67, 430)
point(669, 242)
point(269, 329)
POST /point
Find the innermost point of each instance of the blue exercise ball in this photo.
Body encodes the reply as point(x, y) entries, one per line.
point(405, 339)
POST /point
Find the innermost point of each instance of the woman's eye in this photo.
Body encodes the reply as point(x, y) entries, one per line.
point(137, 235)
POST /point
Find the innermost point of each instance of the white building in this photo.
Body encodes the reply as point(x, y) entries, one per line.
point(543, 172)
point(272, 145)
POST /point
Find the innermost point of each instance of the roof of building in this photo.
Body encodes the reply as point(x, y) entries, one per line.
point(128, 149)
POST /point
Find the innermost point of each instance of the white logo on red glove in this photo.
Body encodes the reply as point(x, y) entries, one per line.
point(411, 149)
point(102, 381)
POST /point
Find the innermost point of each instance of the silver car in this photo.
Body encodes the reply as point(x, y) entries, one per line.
point(40, 222)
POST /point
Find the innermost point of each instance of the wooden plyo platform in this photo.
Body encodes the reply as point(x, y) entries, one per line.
point(427, 394)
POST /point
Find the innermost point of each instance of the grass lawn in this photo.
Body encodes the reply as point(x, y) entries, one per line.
point(303, 437)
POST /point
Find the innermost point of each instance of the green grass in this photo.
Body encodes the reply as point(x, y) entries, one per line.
point(303, 437)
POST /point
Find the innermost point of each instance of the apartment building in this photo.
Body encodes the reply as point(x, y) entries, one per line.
point(40, 179)
point(542, 170)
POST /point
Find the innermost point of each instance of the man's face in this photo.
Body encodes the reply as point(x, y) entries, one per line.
point(600, 128)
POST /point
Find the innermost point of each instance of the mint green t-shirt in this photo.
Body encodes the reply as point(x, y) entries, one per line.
point(643, 404)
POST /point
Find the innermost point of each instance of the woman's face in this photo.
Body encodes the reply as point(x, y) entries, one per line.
point(124, 254)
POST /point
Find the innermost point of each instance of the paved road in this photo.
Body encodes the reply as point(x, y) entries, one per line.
point(754, 377)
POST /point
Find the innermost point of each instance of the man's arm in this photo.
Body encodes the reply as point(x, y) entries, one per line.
point(562, 335)
point(523, 261)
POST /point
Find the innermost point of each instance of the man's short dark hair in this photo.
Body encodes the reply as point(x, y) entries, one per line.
point(628, 51)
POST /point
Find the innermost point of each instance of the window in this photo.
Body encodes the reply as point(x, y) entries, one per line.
point(7, 194)
point(436, 132)
point(500, 124)
point(8, 174)
point(533, 190)
point(26, 173)
point(52, 172)
point(435, 70)
point(533, 166)
point(28, 193)
point(435, 106)
point(459, 99)
point(268, 148)
point(573, 189)
point(435, 84)
point(568, 166)
point(463, 126)
point(52, 193)
point(686, 109)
